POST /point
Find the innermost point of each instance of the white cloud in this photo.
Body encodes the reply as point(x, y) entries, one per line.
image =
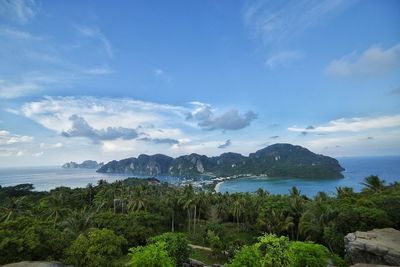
point(94, 32)
point(352, 125)
point(18, 10)
point(283, 58)
point(100, 113)
point(373, 62)
point(120, 126)
point(207, 118)
point(6, 138)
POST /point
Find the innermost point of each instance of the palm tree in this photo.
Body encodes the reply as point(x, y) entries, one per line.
point(137, 200)
point(78, 222)
point(90, 192)
point(316, 217)
point(14, 206)
point(294, 192)
point(261, 193)
point(55, 207)
point(277, 222)
point(344, 192)
point(296, 207)
point(373, 183)
point(187, 199)
point(171, 205)
point(237, 207)
point(221, 206)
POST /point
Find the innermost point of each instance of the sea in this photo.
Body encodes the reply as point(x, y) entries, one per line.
point(357, 168)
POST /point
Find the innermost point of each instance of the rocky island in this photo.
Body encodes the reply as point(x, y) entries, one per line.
point(278, 160)
point(87, 164)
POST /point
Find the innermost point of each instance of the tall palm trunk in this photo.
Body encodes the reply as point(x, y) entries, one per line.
point(194, 219)
point(188, 211)
point(173, 222)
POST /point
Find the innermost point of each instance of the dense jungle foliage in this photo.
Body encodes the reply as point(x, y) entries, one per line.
point(143, 222)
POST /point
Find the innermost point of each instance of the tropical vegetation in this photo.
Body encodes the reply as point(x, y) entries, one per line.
point(140, 222)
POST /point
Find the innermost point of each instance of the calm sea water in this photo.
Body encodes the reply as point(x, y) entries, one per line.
point(357, 168)
point(46, 178)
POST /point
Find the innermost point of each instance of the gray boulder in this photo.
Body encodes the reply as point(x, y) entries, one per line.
point(379, 246)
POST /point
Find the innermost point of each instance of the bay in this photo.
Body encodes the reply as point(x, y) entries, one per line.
point(357, 168)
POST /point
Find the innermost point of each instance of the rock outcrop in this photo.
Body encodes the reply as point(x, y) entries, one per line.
point(87, 164)
point(379, 246)
point(196, 263)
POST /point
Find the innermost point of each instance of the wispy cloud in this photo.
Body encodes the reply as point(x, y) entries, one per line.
point(34, 82)
point(14, 90)
point(17, 34)
point(278, 21)
point(352, 125)
point(94, 32)
point(162, 75)
point(105, 70)
point(283, 58)
point(373, 62)
point(51, 146)
point(18, 10)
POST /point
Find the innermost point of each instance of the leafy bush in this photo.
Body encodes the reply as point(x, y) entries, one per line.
point(273, 251)
point(177, 248)
point(307, 254)
point(96, 248)
point(27, 238)
point(153, 255)
point(247, 256)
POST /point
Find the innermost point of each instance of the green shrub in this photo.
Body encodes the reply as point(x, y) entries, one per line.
point(177, 247)
point(153, 255)
point(99, 248)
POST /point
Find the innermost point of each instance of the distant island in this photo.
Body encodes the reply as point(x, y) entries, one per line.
point(278, 160)
point(87, 164)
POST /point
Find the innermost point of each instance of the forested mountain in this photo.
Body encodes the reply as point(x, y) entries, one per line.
point(278, 160)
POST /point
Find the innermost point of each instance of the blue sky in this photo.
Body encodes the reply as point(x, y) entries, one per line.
point(99, 80)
